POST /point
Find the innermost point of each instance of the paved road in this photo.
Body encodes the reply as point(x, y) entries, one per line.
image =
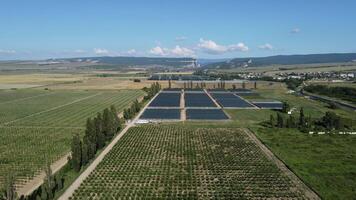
point(75, 185)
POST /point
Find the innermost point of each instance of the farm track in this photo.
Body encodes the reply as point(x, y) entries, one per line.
point(37, 181)
point(310, 194)
point(51, 109)
point(215, 102)
point(75, 185)
point(254, 106)
point(183, 115)
point(46, 134)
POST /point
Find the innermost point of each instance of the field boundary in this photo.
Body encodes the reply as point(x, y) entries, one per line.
point(309, 193)
point(37, 180)
point(214, 100)
point(253, 105)
point(75, 185)
point(183, 115)
point(51, 109)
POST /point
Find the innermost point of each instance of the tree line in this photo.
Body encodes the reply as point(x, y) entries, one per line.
point(280, 121)
point(129, 113)
point(151, 91)
point(220, 85)
point(102, 129)
point(345, 93)
point(98, 131)
point(329, 122)
point(51, 184)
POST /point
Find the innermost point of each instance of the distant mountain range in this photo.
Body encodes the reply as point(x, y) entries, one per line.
point(205, 61)
point(224, 63)
point(129, 61)
point(284, 60)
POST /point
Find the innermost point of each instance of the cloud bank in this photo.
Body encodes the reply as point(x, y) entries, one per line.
point(100, 51)
point(4, 51)
point(176, 51)
point(266, 46)
point(211, 47)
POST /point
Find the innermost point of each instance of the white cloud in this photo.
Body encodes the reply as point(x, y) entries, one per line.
point(182, 51)
point(295, 30)
point(131, 52)
point(4, 51)
point(266, 46)
point(158, 51)
point(180, 38)
point(212, 47)
point(176, 51)
point(100, 51)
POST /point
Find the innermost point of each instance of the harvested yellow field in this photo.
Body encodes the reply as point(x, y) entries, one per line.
point(39, 78)
point(107, 83)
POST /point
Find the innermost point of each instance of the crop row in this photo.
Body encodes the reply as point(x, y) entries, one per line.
point(43, 131)
point(23, 151)
point(7, 96)
point(170, 162)
point(18, 109)
point(72, 115)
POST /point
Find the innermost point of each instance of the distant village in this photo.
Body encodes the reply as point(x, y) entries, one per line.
point(343, 76)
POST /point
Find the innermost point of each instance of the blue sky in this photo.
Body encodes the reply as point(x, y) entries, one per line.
point(204, 29)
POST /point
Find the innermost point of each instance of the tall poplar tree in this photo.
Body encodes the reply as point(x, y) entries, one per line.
point(76, 159)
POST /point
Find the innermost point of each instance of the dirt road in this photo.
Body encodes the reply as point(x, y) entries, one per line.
point(37, 181)
point(75, 185)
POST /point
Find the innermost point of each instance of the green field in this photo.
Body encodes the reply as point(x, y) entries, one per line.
point(327, 163)
point(191, 159)
point(335, 84)
point(315, 108)
point(173, 162)
point(36, 126)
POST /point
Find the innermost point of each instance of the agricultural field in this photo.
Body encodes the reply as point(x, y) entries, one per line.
point(334, 84)
point(275, 69)
point(107, 83)
point(327, 163)
point(37, 126)
point(82, 80)
point(174, 162)
point(313, 107)
point(28, 80)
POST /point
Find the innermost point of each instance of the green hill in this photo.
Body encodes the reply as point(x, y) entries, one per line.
point(137, 61)
point(285, 60)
